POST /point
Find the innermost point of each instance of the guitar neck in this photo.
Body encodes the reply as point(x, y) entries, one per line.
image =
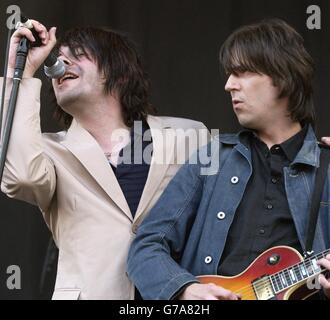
point(297, 273)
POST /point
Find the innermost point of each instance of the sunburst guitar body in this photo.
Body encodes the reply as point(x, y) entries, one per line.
point(279, 273)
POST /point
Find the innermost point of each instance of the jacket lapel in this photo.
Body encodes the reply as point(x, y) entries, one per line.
point(91, 156)
point(162, 157)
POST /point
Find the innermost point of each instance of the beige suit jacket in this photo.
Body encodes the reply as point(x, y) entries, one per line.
point(68, 177)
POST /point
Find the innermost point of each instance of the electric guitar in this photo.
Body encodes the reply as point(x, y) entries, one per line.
point(280, 273)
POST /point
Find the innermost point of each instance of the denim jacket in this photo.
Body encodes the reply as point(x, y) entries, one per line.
point(185, 232)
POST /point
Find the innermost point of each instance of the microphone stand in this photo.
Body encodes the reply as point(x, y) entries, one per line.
point(22, 52)
point(4, 82)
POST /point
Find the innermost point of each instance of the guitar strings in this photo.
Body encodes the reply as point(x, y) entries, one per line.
point(262, 284)
point(296, 268)
point(249, 291)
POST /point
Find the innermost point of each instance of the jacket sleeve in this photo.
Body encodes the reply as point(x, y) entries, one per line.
point(162, 236)
point(29, 175)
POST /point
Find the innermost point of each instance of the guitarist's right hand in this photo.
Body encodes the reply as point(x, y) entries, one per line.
point(197, 291)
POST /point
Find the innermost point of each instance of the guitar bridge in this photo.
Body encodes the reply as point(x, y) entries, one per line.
point(263, 289)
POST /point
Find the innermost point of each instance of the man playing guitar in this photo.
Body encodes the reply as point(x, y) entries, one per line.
point(260, 198)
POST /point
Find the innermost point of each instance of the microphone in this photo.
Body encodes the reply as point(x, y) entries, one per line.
point(53, 68)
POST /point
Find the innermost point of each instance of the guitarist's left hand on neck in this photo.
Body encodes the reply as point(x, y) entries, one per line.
point(326, 140)
point(324, 282)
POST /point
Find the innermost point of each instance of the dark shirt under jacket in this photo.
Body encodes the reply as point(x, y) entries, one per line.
point(263, 219)
point(132, 175)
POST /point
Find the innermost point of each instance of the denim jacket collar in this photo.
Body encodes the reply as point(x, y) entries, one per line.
point(309, 153)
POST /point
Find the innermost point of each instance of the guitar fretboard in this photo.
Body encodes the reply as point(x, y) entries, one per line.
point(297, 273)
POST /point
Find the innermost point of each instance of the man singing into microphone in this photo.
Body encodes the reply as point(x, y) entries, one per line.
point(90, 198)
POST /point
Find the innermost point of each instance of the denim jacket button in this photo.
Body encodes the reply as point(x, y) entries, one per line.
point(234, 180)
point(294, 173)
point(208, 259)
point(221, 215)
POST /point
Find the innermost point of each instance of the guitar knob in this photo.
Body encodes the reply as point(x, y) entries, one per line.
point(272, 260)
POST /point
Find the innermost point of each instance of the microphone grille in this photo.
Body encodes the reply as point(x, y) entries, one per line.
point(55, 71)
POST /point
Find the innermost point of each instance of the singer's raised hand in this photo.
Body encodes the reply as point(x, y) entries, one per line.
point(37, 55)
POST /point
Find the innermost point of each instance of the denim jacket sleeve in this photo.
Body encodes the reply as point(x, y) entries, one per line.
point(161, 237)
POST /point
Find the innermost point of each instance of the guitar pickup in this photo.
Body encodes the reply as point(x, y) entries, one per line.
point(263, 289)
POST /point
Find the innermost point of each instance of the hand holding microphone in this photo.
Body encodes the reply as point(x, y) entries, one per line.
point(37, 54)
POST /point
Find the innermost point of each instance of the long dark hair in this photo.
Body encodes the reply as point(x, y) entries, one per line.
point(117, 58)
point(274, 48)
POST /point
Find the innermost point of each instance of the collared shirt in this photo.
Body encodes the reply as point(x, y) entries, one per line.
point(133, 167)
point(263, 218)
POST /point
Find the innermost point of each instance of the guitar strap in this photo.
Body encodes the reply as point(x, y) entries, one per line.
point(321, 174)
